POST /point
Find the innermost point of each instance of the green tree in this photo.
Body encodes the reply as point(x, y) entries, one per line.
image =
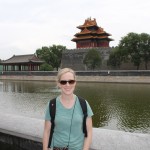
point(130, 47)
point(115, 58)
point(92, 59)
point(145, 48)
point(44, 54)
point(56, 51)
point(135, 48)
point(46, 67)
point(51, 55)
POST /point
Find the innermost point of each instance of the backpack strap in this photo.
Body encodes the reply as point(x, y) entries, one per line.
point(52, 108)
point(84, 109)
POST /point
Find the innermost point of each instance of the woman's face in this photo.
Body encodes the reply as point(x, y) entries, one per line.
point(67, 88)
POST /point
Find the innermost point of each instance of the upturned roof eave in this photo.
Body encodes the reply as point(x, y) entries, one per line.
point(86, 26)
point(37, 62)
point(91, 33)
point(100, 38)
point(22, 59)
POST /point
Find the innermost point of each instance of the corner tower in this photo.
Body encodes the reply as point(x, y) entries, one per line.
point(91, 35)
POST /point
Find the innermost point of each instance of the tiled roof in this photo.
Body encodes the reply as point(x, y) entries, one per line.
point(22, 59)
point(91, 37)
point(88, 22)
point(85, 31)
point(98, 32)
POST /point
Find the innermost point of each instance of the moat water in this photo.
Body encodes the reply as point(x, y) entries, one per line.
point(123, 107)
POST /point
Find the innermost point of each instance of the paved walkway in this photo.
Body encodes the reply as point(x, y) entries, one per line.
point(103, 139)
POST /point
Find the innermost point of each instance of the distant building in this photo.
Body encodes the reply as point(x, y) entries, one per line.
point(91, 35)
point(22, 63)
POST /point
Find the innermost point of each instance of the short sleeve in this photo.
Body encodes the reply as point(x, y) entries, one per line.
point(89, 110)
point(47, 114)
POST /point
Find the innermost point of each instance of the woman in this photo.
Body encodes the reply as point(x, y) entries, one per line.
point(68, 130)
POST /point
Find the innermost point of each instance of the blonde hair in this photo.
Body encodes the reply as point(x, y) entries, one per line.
point(63, 71)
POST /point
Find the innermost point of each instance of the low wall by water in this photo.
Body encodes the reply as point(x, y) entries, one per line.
point(79, 73)
point(106, 79)
point(124, 76)
point(27, 133)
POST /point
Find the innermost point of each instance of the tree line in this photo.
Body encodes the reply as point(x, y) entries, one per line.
point(133, 48)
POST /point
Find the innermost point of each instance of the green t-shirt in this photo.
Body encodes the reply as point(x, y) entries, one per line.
point(63, 127)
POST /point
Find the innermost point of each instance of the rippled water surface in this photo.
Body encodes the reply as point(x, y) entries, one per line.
point(115, 106)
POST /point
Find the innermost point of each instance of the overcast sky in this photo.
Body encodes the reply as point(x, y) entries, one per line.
point(26, 25)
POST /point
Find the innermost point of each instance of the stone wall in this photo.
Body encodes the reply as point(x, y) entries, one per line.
point(74, 58)
point(19, 143)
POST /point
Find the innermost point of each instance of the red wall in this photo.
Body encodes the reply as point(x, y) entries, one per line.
point(89, 43)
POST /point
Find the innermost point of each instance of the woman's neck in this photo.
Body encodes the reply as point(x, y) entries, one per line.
point(67, 97)
point(67, 100)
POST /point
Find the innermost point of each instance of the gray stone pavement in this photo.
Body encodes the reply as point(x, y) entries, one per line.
point(103, 139)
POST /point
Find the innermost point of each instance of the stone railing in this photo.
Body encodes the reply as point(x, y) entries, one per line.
point(27, 133)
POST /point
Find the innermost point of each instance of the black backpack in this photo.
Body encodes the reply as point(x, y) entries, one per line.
point(52, 108)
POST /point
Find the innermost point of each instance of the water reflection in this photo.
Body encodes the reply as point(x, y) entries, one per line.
point(27, 86)
point(116, 106)
point(119, 106)
point(26, 98)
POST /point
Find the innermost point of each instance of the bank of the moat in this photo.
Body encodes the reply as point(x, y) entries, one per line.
point(110, 76)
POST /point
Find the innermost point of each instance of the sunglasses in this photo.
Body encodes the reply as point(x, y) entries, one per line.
point(63, 82)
